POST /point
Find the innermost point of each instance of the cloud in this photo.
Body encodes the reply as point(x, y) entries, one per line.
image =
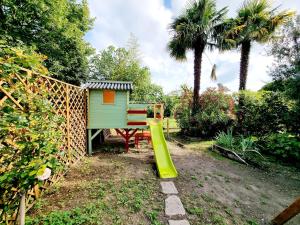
point(148, 20)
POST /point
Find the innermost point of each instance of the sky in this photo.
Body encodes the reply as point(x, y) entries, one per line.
point(148, 21)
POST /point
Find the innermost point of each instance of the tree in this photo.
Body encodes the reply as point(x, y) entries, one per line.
point(124, 65)
point(193, 31)
point(285, 70)
point(55, 28)
point(286, 51)
point(256, 21)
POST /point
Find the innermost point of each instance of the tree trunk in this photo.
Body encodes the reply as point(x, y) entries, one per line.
point(197, 75)
point(245, 53)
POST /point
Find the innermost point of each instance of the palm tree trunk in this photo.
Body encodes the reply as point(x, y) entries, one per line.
point(244, 64)
point(245, 53)
point(197, 75)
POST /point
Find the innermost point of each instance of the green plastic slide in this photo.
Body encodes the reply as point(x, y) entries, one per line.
point(165, 166)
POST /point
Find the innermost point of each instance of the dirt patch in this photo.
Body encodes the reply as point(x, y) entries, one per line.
point(220, 191)
point(104, 189)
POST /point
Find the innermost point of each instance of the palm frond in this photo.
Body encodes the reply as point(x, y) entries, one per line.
point(213, 75)
point(177, 49)
point(195, 26)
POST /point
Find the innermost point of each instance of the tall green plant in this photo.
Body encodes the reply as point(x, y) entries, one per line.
point(193, 31)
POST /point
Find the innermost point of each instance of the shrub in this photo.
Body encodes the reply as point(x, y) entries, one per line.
point(182, 111)
point(216, 113)
point(283, 146)
point(264, 112)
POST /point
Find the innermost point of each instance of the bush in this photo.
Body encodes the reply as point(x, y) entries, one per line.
point(182, 111)
point(283, 146)
point(264, 112)
point(216, 113)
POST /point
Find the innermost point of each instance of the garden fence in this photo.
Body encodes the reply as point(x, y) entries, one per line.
point(68, 101)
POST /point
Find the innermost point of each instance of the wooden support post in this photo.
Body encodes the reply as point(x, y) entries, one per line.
point(127, 135)
point(288, 213)
point(22, 210)
point(68, 122)
point(168, 127)
point(95, 134)
point(90, 147)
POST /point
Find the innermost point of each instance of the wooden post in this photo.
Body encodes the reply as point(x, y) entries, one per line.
point(22, 210)
point(168, 127)
point(126, 136)
point(68, 122)
point(154, 111)
point(288, 213)
point(90, 147)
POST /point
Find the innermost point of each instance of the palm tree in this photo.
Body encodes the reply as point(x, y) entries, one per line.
point(193, 31)
point(256, 21)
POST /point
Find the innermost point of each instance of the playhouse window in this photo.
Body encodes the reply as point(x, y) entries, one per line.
point(108, 97)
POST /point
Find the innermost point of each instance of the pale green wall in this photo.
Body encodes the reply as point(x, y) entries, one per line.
point(105, 115)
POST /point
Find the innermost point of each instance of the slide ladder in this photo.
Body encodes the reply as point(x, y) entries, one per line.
point(165, 166)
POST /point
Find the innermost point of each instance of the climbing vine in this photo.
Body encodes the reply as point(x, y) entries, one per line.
point(30, 137)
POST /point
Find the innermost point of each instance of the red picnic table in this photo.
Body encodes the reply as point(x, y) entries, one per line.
point(145, 135)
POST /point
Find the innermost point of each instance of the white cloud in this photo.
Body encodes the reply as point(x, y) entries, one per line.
point(148, 20)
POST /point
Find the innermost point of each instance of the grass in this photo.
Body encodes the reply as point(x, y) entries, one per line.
point(97, 199)
point(204, 209)
point(172, 123)
point(114, 204)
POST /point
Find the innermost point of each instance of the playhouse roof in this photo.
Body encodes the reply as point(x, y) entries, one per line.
point(112, 85)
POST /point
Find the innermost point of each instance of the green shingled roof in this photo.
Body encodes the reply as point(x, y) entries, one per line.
point(111, 85)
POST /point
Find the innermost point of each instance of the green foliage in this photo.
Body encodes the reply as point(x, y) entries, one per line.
point(76, 216)
point(170, 101)
point(193, 30)
point(225, 140)
point(107, 201)
point(282, 145)
point(265, 112)
point(55, 28)
point(194, 27)
point(286, 52)
point(153, 217)
point(29, 138)
point(182, 111)
point(215, 113)
point(123, 64)
point(286, 68)
point(256, 21)
point(245, 147)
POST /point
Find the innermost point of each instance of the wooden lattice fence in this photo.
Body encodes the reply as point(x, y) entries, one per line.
point(68, 101)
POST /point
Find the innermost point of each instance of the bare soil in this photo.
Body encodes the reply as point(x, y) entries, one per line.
point(120, 188)
point(213, 189)
point(237, 193)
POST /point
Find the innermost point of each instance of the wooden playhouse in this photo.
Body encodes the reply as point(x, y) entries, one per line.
point(109, 108)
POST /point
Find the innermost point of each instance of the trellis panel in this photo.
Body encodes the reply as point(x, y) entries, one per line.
point(68, 101)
